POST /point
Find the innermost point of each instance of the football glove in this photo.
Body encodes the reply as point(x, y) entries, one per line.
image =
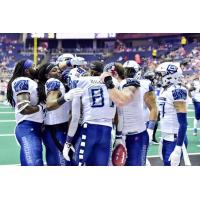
point(66, 150)
point(175, 156)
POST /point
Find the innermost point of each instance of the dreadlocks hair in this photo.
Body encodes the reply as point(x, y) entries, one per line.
point(42, 79)
point(19, 71)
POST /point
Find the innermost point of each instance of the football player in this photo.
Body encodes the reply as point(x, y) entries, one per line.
point(71, 76)
point(22, 94)
point(194, 92)
point(57, 113)
point(129, 100)
point(173, 113)
point(98, 112)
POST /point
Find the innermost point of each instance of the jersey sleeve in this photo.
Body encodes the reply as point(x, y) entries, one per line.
point(21, 86)
point(179, 94)
point(147, 86)
point(52, 85)
point(73, 82)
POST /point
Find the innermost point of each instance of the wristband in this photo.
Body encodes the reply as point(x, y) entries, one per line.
point(151, 124)
point(118, 135)
point(69, 139)
point(108, 82)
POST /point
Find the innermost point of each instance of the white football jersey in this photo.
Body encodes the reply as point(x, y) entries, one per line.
point(26, 85)
point(168, 115)
point(61, 114)
point(196, 92)
point(74, 75)
point(133, 112)
point(97, 107)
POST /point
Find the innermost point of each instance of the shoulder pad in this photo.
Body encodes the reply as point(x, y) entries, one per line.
point(21, 85)
point(53, 86)
point(179, 94)
point(131, 82)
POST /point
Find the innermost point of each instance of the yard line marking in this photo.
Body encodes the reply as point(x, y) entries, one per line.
point(157, 156)
point(187, 129)
point(7, 112)
point(10, 120)
point(2, 165)
point(5, 107)
point(6, 135)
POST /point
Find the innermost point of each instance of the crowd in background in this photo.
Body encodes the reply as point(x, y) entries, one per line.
point(11, 50)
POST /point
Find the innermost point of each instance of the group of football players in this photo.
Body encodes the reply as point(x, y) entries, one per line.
point(96, 114)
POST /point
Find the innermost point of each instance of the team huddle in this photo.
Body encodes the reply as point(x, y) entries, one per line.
point(97, 115)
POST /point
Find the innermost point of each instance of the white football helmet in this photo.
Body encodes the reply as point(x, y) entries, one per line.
point(78, 61)
point(132, 69)
point(170, 72)
point(64, 57)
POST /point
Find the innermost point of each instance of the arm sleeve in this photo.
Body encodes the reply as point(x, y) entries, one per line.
point(182, 120)
point(180, 94)
point(76, 107)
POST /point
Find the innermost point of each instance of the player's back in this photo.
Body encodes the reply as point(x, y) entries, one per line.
point(97, 107)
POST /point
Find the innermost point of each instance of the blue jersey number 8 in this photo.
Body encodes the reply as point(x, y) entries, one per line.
point(96, 97)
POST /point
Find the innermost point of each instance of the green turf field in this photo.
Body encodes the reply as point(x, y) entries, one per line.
point(9, 149)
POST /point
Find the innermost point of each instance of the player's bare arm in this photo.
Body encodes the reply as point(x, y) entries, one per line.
point(180, 107)
point(150, 101)
point(54, 98)
point(121, 98)
point(51, 101)
point(24, 106)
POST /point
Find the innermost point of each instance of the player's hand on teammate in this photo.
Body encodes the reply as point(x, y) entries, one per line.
point(104, 75)
point(66, 150)
point(175, 156)
point(76, 92)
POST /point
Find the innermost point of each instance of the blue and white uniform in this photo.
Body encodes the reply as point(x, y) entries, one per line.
point(56, 123)
point(168, 118)
point(28, 129)
point(72, 80)
point(134, 127)
point(98, 111)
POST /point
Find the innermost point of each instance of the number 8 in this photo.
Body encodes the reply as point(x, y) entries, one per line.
point(96, 96)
